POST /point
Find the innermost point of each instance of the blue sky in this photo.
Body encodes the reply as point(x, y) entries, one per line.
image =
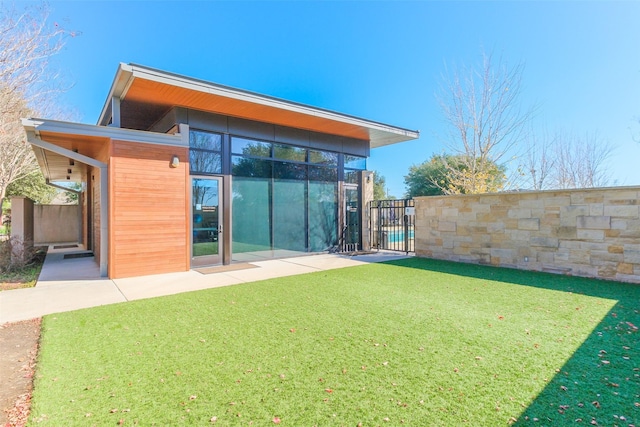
point(380, 60)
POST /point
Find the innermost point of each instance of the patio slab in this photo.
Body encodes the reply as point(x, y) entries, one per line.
point(73, 284)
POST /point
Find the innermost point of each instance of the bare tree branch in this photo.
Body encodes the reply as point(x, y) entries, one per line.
point(481, 105)
point(28, 85)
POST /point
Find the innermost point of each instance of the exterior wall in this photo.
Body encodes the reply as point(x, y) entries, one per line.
point(21, 228)
point(593, 233)
point(148, 226)
point(259, 130)
point(93, 187)
point(56, 223)
point(367, 179)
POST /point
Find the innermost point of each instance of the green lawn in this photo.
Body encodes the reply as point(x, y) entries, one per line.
point(417, 341)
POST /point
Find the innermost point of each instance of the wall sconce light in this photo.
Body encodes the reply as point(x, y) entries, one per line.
point(368, 179)
point(175, 162)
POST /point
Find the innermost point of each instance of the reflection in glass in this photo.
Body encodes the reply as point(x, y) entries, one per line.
point(249, 147)
point(323, 216)
point(352, 216)
point(288, 152)
point(251, 216)
point(204, 162)
point(285, 200)
point(205, 211)
point(351, 177)
point(355, 162)
point(205, 140)
point(323, 158)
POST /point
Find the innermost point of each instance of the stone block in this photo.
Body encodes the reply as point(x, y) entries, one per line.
point(495, 227)
point(430, 211)
point(529, 224)
point(593, 222)
point(545, 257)
point(585, 234)
point(625, 268)
point(611, 234)
point(511, 223)
point(568, 214)
point(519, 213)
point(531, 203)
point(580, 257)
point(561, 257)
point(625, 211)
point(615, 249)
point(518, 235)
point(601, 257)
point(596, 209)
point(607, 271)
point(446, 226)
point(631, 256)
point(449, 212)
point(566, 232)
point(563, 200)
point(546, 242)
point(621, 196)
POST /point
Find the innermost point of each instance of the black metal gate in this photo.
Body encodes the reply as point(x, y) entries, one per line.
point(391, 223)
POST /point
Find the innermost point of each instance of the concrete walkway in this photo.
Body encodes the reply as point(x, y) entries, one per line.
point(72, 284)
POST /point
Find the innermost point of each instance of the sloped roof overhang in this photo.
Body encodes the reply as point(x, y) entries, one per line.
point(146, 94)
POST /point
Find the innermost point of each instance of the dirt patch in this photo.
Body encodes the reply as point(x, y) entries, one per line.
point(19, 347)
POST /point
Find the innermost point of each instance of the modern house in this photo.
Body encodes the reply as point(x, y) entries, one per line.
point(180, 173)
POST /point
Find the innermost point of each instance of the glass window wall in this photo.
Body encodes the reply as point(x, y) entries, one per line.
point(282, 205)
point(205, 156)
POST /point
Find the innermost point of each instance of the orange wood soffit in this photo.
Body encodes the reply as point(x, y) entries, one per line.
point(147, 91)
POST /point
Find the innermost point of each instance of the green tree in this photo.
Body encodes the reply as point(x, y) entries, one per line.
point(32, 186)
point(380, 187)
point(446, 174)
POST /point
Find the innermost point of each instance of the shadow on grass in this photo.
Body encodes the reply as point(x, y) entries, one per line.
point(600, 383)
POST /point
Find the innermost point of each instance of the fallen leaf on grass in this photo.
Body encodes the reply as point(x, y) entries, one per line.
point(328, 390)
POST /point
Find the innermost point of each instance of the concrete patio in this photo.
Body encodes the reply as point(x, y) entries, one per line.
point(67, 284)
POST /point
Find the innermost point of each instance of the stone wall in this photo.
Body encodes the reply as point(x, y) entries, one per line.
point(592, 232)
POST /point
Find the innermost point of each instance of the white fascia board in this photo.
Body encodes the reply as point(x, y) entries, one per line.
point(228, 92)
point(121, 83)
point(39, 125)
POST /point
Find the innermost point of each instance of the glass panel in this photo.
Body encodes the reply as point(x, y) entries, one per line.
point(294, 171)
point(323, 158)
point(320, 173)
point(205, 210)
point(323, 216)
point(351, 177)
point(249, 147)
point(289, 213)
point(352, 216)
point(355, 162)
point(204, 162)
point(253, 168)
point(288, 152)
point(205, 140)
point(251, 219)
